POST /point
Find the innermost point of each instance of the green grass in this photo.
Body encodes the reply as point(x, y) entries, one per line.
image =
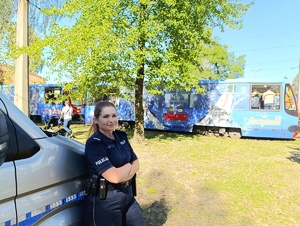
point(187, 179)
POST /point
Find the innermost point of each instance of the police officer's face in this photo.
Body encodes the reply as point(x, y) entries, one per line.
point(107, 120)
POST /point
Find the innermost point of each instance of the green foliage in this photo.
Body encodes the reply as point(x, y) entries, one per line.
point(38, 24)
point(110, 41)
point(7, 29)
point(141, 43)
point(216, 62)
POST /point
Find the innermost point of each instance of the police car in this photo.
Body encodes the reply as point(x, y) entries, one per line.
point(42, 177)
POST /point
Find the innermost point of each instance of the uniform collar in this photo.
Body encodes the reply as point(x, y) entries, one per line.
point(105, 138)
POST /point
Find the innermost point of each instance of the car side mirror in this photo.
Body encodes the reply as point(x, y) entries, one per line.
point(4, 138)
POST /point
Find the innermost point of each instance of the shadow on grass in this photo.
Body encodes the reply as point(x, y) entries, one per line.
point(295, 156)
point(169, 135)
point(156, 213)
point(161, 134)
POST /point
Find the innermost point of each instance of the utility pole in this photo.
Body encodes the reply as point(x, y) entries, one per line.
point(21, 93)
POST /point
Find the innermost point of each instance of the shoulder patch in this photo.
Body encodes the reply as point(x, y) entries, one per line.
point(123, 142)
point(96, 138)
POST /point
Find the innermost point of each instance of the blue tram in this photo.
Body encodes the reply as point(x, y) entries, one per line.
point(236, 108)
point(44, 101)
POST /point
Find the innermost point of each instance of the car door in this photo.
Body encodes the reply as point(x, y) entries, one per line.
point(7, 169)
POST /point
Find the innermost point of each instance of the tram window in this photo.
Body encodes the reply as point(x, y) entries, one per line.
point(176, 99)
point(265, 96)
point(52, 93)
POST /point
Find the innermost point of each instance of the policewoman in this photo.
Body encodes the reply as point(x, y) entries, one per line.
point(112, 166)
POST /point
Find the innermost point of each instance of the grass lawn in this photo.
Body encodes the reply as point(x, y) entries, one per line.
point(193, 180)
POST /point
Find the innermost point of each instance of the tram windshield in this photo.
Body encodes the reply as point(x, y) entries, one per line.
point(177, 99)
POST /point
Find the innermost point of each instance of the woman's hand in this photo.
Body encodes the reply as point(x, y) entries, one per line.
point(135, 165)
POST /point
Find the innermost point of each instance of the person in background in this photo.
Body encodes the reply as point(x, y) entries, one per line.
point(112, 166)
point(269, 99)
point(255, 100)
point(66, 115)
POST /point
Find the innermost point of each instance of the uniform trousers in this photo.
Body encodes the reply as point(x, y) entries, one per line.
point(118, 209)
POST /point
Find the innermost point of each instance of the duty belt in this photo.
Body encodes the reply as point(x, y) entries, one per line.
point(119, 186)
point(96, 186)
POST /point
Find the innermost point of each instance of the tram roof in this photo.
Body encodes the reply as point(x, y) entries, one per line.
point(247, 80)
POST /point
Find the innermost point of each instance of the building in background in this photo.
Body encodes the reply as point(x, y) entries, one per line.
point(7, 76)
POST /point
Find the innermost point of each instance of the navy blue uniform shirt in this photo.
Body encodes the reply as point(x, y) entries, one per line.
point(103, 153)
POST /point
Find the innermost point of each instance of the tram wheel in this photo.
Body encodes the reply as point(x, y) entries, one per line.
point(210, 133)
point(234, 133)
point(199, 130)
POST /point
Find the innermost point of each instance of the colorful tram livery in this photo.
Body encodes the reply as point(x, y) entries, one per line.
point(44, 101)
point(248, 108)
point(234, 107)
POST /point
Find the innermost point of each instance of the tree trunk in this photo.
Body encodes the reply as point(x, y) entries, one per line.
point(139, 132)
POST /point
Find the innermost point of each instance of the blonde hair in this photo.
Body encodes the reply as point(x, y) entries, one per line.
point(97, 112)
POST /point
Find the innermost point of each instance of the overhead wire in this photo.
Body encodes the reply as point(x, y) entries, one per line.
point(274, 47)
point(264, 48)
point(33, 5)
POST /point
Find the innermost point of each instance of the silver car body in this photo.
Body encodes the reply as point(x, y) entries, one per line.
point(42, 177)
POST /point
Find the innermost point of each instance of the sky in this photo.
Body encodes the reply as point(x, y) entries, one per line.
point(269, 39)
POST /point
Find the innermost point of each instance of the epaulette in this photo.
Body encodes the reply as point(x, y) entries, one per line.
point(96, 138)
